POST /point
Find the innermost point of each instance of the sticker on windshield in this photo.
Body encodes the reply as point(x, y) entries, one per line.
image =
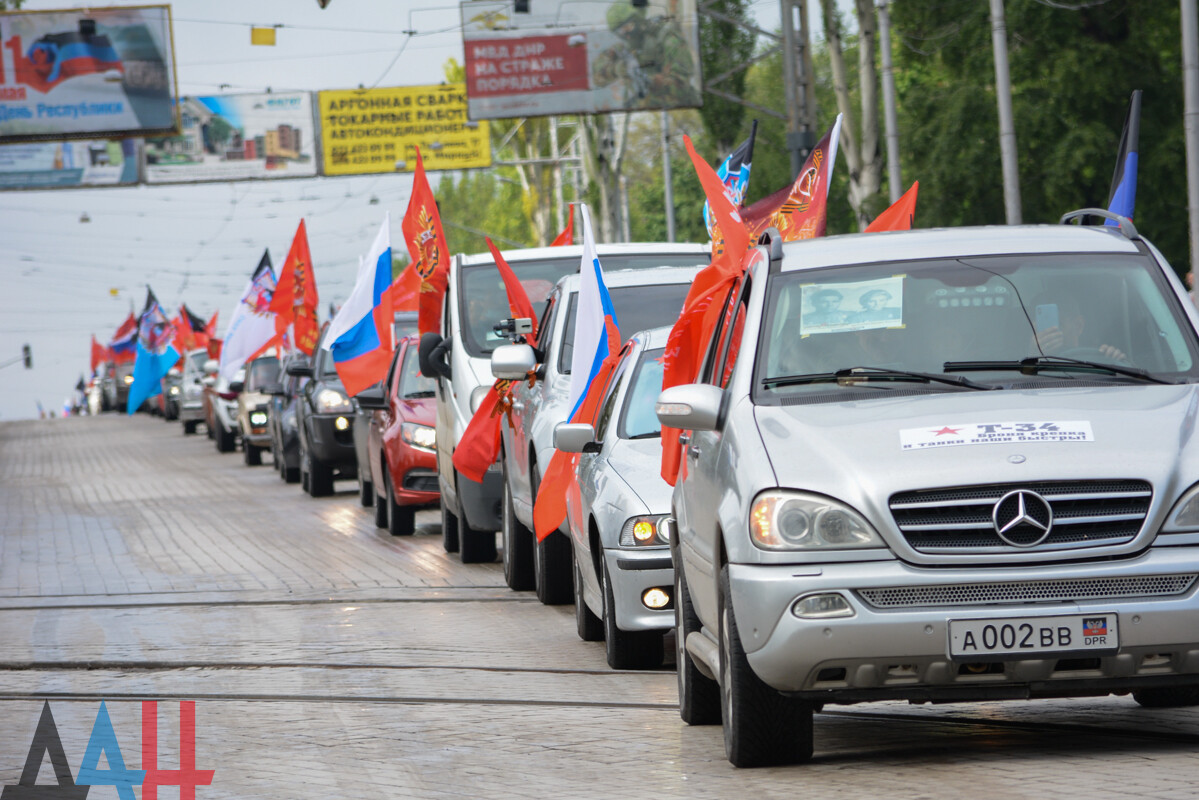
point(861, 306)
point(995, 433)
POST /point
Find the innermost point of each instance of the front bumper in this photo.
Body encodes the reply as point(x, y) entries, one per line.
point(900, 649)
point(632, 572)
point(415, 472)
point(330, 445)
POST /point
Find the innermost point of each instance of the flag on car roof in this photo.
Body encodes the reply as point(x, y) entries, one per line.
point(123, 345)
point(1122, 198)
point(900, 216)
point(360, 336)
point(251, 329)
point(99, 354)
point(426, 245)
point(734, 174)
point(192, 330)
point(295, 298)
point(156, 353)
point(799, 211)
point(567, 236)
point(593, 305)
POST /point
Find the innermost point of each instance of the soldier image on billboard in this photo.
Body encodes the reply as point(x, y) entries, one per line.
point(652, 60)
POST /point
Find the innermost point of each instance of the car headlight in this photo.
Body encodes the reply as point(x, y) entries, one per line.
point(1184, 517)
point(329, 401)
point(419, 436)
point(174, 390)
point(645, 531)
point(257, 418)
point(800, 521)
point(128, 379)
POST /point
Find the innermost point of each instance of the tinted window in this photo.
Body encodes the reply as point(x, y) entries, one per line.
point(638, 308)
point(197, 360)
point(263, 372)
point(640, 421)
point(482, 300)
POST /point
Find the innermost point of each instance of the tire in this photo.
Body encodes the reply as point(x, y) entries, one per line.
point(699, 695)
point(226, 441)
point(627, 649)
point(552, 569)
point(366, 488)
point(251, 454)
point(518, 546)
point(1167, 697)
point(320, 477)
point(590, 627)
point(449, 528)
point(401, 520)
point(475, 547)
point(189, 428)
point(762, 728)
point(380, 505)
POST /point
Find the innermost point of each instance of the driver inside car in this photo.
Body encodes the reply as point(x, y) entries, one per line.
point(1066, 338)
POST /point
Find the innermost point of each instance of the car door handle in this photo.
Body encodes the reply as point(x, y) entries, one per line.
point(517, 405)
point(693, 451)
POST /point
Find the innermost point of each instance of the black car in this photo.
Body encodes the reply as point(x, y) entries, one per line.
point(325, 419)
point(285, 436)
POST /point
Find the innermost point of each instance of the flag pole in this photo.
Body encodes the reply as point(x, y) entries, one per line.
point(1190, 117)
point(666, 176)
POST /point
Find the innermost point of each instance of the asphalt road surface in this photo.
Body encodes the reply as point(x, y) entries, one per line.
point(324, 658)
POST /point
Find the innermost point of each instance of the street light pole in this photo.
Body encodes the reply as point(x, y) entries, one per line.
point(1190, 118)
point(1007, 128)
point(890, 117)
point(666, 177)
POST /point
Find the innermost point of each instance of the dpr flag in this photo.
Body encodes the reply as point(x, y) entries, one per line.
point(156, 353)
point(252, 326)
point(734, 174)
point(1122, 198)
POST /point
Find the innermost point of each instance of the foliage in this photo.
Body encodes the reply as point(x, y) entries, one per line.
point(483, 203)
point(722, 47)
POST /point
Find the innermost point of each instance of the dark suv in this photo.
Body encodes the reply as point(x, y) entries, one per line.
point(285, 438)
point(325, 420)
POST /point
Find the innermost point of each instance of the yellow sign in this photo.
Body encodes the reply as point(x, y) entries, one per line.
point(262, 36)
point(378, 130)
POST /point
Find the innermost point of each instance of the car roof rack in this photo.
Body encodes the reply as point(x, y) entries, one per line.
point(1123, 224)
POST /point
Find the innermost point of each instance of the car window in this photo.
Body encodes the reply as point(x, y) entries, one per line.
point(608, 406)
point(639, 420)
point(731, 342)
point(638, 308)
point(262, 372)
point(197, 360)
point(718, 333)
point(412, 383)
point(921, 315)
point(545, 326)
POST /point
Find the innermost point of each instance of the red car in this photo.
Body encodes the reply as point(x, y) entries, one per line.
point(402, 446)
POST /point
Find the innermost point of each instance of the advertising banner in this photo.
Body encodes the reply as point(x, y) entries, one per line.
point(236, 137)
point(569, 57)
point(86, 73)
point(378, 130)
point(68, 165)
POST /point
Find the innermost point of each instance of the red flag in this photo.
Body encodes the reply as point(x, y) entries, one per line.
point(99, 353)
point(899, 216)
point(214, 347)
point(210, 328)
point(549, 507)
point(295, 299)
point(426, 245)
point(518, 299)
point(405, 290)
point(567, 237)
point(799, 211)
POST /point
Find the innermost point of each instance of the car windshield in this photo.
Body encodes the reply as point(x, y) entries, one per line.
point(978, 315)
point(262, 372)
point(198, 360)
point(640, 421)
point(324, 366)
point(638, 308)
point(483, 301)
point(412, 383)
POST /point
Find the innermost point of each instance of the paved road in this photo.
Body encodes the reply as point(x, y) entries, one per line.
point(328, 659)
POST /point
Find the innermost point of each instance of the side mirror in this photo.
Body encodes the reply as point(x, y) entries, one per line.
point(692, 407)
point(372, 399)
point(235, 387)
point(575, 437)
point(209, 380)
point(211, 365)
point(299, 369)
point(431, 355)
point(513, 362)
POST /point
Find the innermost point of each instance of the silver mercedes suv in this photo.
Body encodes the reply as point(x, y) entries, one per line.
point(939, 465)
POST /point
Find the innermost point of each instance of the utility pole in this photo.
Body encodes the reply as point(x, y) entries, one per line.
point(798, 83)
point(666, 176)
point(1007, 129)
point(559, 202)
point(890, 118)
point(1190, 118)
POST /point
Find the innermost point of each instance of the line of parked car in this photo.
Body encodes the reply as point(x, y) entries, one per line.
point(931, 465)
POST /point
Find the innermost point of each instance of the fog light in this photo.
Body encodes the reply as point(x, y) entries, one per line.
point(341, 423)
point(655, 598)
point(258, 418)
point(822, 606)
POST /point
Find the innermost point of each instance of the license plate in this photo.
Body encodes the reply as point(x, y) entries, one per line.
point(1032, 636)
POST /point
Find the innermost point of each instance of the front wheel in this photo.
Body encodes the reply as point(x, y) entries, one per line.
point(401, 520)
point(449, 528)
point(627, 649)
point(518, 546)
point(225, 439)
point(590, 627)
point(366, 489)
point(250, 454)
point(380, 505)
point(762, 728)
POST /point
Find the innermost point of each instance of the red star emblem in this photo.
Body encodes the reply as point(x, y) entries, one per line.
point(946, 430)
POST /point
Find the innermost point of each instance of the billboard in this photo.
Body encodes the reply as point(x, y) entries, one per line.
point(569, 57)
point(236, 137)
point(68, 165)
point(86, 73)
point(378, 130)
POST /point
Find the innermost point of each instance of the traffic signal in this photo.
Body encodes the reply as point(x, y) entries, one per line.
point(27, 354)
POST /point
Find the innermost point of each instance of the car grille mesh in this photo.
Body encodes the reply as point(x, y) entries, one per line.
point(959, 520)
point(1046, 591)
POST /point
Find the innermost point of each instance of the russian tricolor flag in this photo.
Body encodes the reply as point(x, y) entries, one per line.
point(360, 336)
point(591, 335)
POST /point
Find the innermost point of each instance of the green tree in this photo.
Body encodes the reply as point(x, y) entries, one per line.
point(723, 47)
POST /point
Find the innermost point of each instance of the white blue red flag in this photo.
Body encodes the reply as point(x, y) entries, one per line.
point(734, 174)
point(360, 336)
point(123, 345)
point(594, 304)
point(156, 353)
point(1122, 198)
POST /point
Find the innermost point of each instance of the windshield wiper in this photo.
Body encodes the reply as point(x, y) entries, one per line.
point(1034, 364)
point(419, 395)
point(852, 376)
